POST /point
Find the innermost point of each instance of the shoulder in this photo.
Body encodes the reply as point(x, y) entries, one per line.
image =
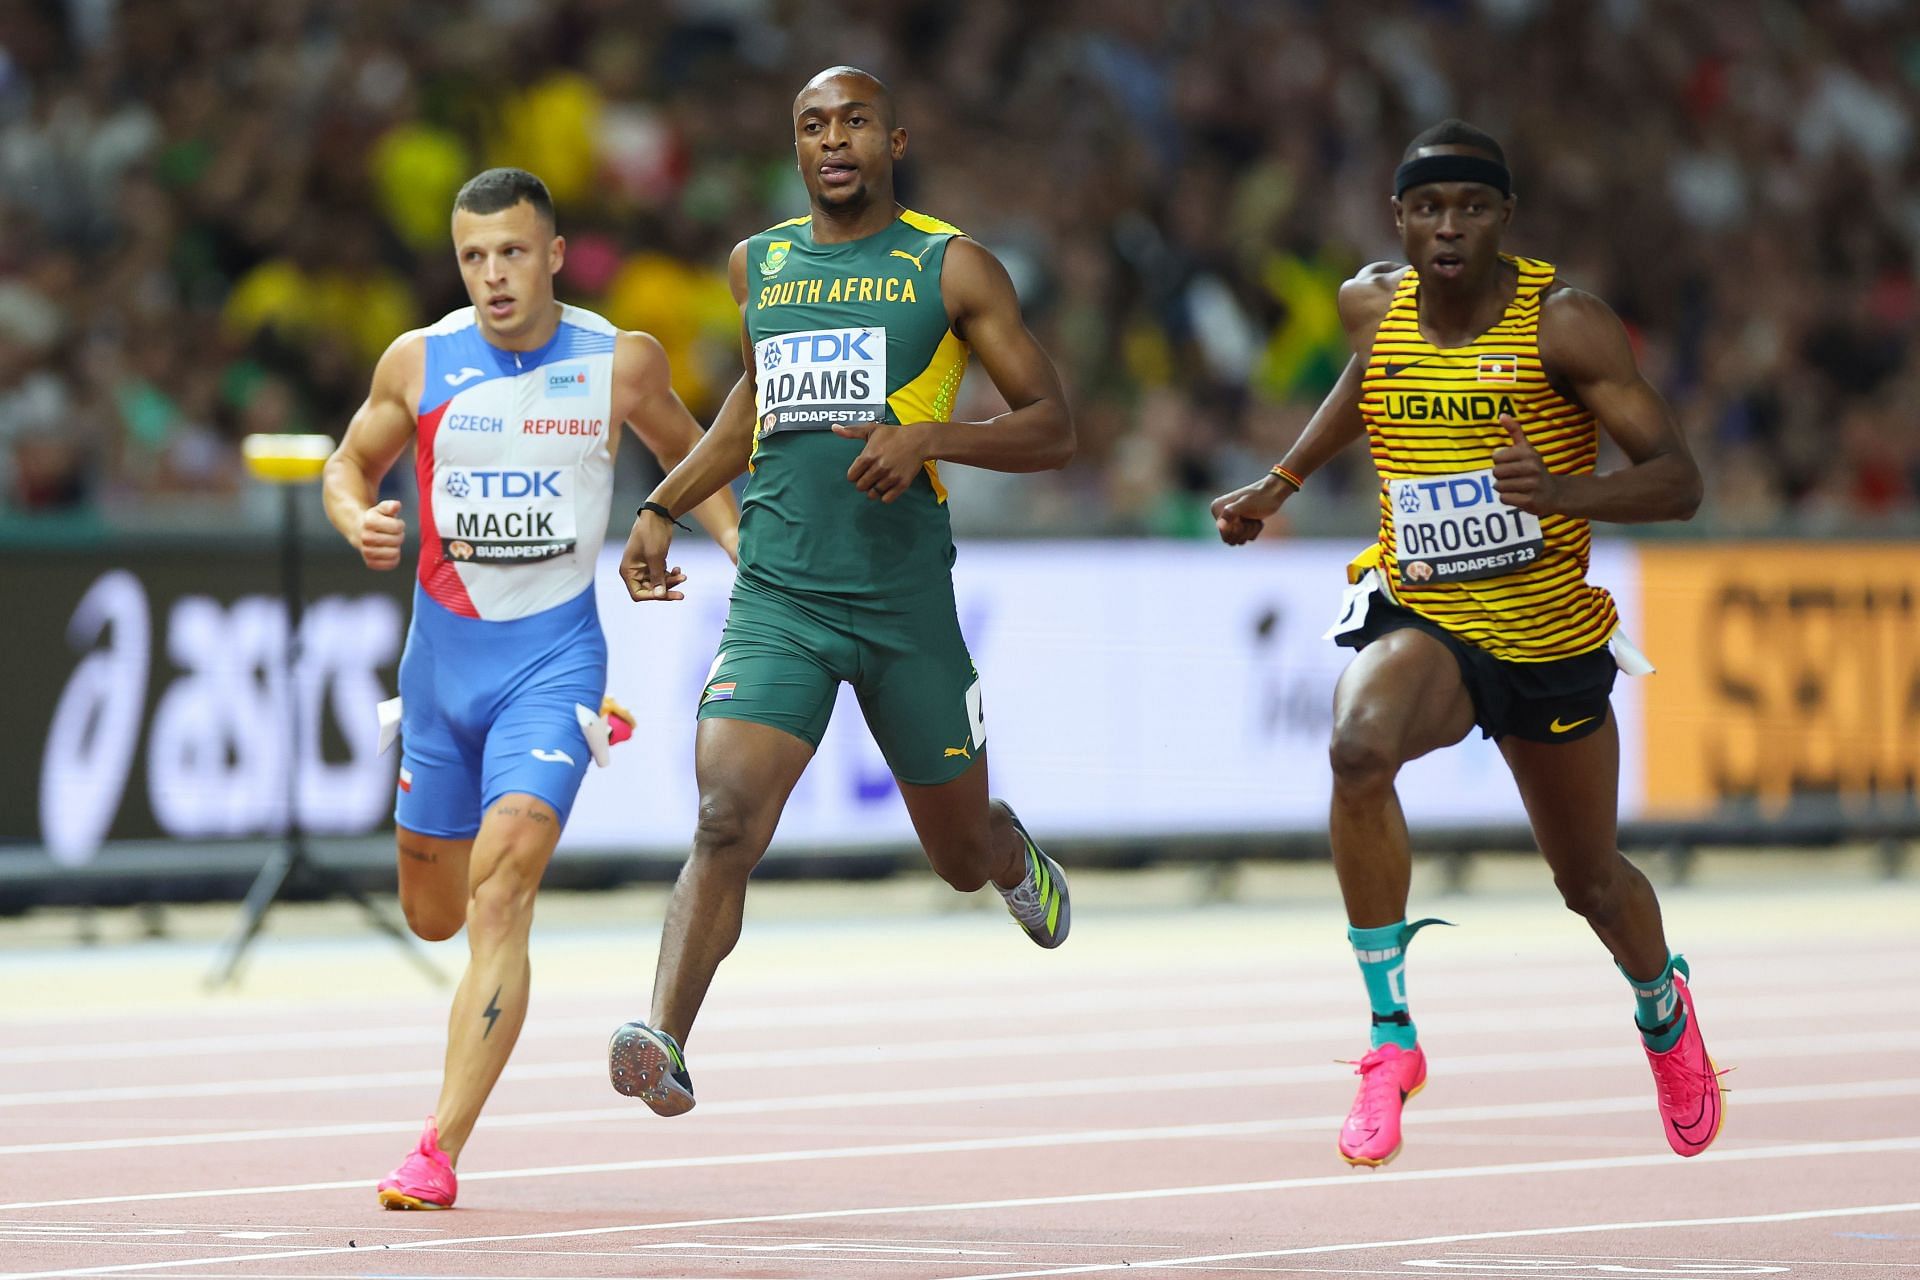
point(1562, 306)
point(585, 323)
point(459, 320)
point(638, 358)
point(402, 366)
point(789, 227)
point(929, 224)
point(973, 279)
point(737, 270)
point(1365, 298)
point(1580, 335)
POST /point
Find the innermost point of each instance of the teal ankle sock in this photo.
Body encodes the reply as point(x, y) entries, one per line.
point(1657, 1009)
point(1383, 967)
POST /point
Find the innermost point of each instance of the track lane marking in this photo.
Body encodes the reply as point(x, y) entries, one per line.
point(1348, 1179)
point(1185, 1081)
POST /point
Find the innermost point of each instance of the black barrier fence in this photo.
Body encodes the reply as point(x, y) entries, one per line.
point(144, 694)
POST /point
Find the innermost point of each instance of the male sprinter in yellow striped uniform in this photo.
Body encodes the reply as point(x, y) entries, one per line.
point(856, 324)
point(1481, 383)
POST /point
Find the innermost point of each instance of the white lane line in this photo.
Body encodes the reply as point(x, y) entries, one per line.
point(1347, 1179)
point(1202, 991)
point(1275, 1031)
point(1585, 1228)
point(432, 1033)
point(1643, 1257)
point(1174, 1082)
point(1069, 1138)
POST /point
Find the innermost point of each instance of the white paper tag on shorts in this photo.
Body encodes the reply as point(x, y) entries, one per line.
point(1627, 655)
point(1354, 603)
point(1455, 528)
point(388, 714)
point(598, 733)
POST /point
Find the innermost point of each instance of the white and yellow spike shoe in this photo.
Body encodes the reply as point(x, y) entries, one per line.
point(1038, 903)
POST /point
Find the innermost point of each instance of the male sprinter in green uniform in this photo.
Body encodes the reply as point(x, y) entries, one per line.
point(857, 323)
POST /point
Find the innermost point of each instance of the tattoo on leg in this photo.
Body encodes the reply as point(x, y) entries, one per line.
point(539, 816)
point(419, 855)
point(507, 810)
point(492, 1011)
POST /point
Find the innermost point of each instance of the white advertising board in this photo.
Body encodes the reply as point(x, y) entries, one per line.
point(1132, 689)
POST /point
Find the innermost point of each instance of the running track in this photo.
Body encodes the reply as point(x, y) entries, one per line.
point(927, 1097)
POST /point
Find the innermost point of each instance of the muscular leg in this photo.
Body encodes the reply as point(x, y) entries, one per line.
point(1571, 790)
point(968, 840)
point(509, 856)
point(1399, 699)
point(433, 883)
point(746, 771)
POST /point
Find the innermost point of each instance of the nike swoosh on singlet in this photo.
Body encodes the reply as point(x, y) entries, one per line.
point(1392, 370)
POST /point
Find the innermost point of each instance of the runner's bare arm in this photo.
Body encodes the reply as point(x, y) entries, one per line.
point(376, 437)
point(1240, 514)
point(708, 467)
point(1584, 349)
point(658, 416)
point(1036, 433)
point(722, 453)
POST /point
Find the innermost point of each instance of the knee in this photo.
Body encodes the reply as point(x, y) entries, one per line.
point(963, 868)
point(430, 920)
point(502, 903)
point(1592, 891)
point(433, 917)
point(1362, 755)
point(723, 834)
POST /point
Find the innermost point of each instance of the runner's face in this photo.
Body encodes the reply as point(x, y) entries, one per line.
point(844, 146)
point(508, 260)
point(1451, 230)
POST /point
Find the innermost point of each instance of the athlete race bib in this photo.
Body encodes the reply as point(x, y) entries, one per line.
point(1454, 528)
point(809, 381)
point(504, 515)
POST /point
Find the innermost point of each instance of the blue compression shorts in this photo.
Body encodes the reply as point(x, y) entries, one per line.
point(487, 708)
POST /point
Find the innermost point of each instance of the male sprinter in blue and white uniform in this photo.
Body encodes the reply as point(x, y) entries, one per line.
point(513, 406)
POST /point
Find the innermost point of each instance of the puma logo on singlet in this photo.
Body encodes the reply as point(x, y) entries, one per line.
point(913, 258)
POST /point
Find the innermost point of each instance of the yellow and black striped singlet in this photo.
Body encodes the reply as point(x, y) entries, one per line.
point(1435, 411)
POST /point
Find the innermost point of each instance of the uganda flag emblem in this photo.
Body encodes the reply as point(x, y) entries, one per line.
point(776, 257)
point(1499, 368)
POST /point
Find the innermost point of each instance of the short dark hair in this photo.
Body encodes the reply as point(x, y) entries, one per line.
point(882, 95)
point(498, 190)
point(1455, 133)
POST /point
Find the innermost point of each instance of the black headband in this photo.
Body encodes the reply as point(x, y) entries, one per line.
point(1452, 168)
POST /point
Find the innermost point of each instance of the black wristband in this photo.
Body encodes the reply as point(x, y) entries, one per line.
point(660, 510)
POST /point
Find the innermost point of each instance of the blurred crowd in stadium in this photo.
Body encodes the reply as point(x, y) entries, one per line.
point(217, 214)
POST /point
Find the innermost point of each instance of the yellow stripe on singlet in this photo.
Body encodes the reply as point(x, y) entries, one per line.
point(1434, 411)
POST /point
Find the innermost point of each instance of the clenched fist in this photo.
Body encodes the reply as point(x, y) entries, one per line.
point(382, 534)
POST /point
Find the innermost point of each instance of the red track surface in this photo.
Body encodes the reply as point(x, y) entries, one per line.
point(1127, 1114)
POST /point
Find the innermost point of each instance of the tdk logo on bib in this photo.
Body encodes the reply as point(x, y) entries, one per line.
point(511, 485)
point(566, 380)
point(505, 515)
point(1453, 528)
point(1455, 493)
point(810, 380)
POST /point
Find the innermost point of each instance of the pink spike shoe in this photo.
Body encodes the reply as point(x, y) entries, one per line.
point(424, 1179)
point(1389, 1076)
point(1684, 1076)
